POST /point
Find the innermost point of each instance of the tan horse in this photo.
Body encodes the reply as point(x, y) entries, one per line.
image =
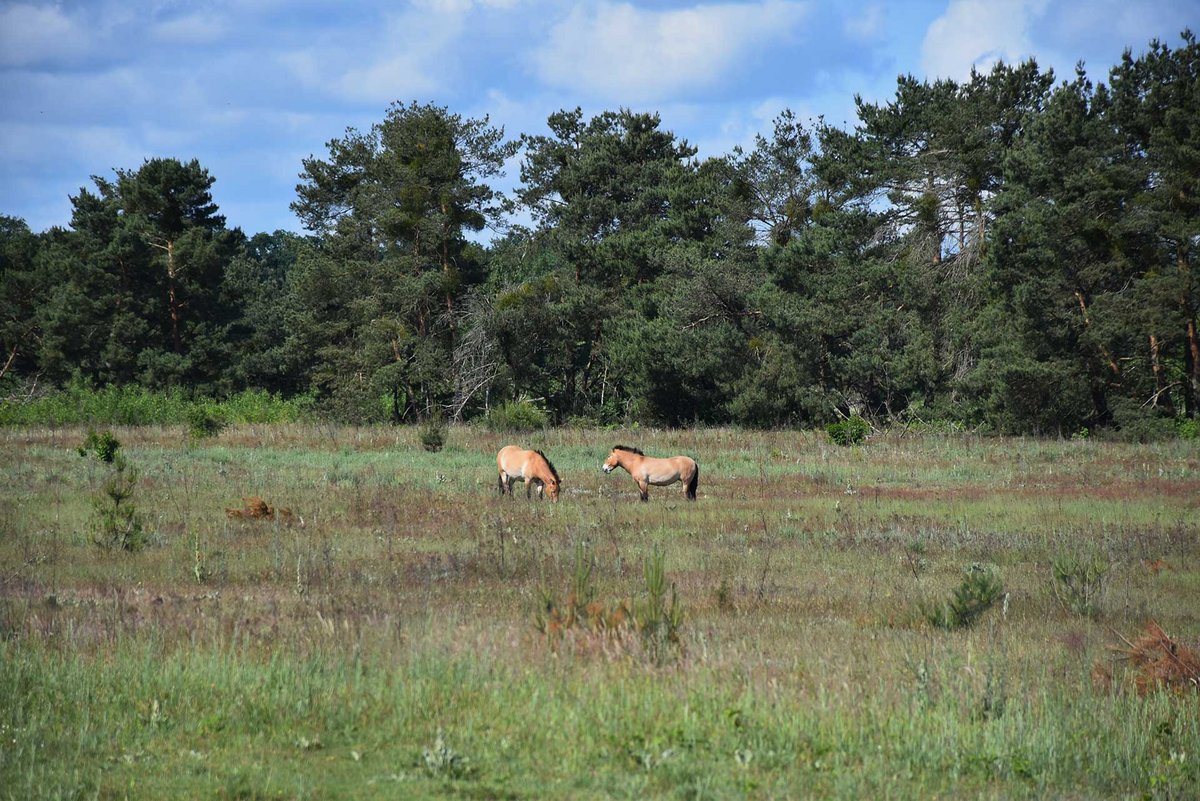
point(532, 467)
point(647, 470)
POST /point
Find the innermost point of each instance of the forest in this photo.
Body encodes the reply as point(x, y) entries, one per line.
point(1018, 252)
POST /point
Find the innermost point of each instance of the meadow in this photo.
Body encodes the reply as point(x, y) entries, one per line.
point(404, 632)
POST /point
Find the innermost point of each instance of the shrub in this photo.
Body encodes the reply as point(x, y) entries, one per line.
point(515, 416)
point(204, 422)
point(119, 522)
point(432, 434)
point(978, 592)
point(1136, 423)
point(851, 431)
point(1188, 428)
point(103, 445)
point(1079, 582)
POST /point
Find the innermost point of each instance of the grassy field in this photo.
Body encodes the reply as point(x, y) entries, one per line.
point(391, 638)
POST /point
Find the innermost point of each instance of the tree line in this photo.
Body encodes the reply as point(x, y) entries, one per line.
point(1012, 251)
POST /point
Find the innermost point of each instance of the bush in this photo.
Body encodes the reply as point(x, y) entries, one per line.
point(119, 522)
point(851, 431)
point(1079, 582)
point(432, 434)
point(102, 445)
point(204, 422)
point(979, 591)
point(515, 416)
point(1136, 423)
point(130, 405)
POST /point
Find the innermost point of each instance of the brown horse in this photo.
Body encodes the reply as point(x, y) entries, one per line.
point(647, 470)
point(532, 467)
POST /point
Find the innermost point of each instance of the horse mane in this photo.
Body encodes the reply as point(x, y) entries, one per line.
point(549, 464)
point(631, 450)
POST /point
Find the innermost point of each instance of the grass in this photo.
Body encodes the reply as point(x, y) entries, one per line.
point(387, 646)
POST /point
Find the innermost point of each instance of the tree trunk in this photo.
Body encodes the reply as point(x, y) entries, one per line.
point(1087, 323)
point(1160, 385)
point(1193, 353)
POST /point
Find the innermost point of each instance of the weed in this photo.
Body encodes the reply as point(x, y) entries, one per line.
point(914, 558)
point(658, 619)
point(443, 762)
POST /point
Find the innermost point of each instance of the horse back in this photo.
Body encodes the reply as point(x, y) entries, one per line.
point(511, 459)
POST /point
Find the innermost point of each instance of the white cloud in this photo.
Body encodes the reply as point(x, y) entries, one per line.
point(192, 29)
point(32, 35)
point(620, 52)
point(868, 25)
point(978, 33)
point(409, 54)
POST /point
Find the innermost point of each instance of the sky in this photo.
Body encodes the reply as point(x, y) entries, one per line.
point(250, 88)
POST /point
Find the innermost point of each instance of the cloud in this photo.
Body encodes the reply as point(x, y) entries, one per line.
point(978, 33)
point(191, 29)
point(620, 52)
point(868, 25)
point(403, 55)
point(32, 35)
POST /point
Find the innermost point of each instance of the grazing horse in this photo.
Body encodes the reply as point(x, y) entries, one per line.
point(647, 470)
point(532, 467)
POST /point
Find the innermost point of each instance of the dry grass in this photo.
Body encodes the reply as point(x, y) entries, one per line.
point(801, 571)
point(1157, 662)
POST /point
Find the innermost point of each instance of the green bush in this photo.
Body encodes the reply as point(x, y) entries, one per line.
point(851, 431)
point(119, 523)
point(78, 404)
point(1137, 423)
point(1079, 582)
point(204, 422)
point(978, 592)
point(1188, 428)
point(515, 416)
point(432, 434)
point(103, 446)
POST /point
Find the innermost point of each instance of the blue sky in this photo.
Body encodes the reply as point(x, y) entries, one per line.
point(251, 87)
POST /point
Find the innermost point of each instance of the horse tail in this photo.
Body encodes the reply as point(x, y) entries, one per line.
point(693, 481)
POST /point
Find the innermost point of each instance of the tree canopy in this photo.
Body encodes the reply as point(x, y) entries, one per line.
point(1013, 251)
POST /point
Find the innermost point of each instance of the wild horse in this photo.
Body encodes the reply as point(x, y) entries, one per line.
point(647, 470)
point(532, 467)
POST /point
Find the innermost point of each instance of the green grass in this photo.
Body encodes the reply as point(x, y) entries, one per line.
point(386, 648)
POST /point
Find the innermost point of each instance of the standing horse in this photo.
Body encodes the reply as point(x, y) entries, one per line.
point(532, 467)
point(647, 470)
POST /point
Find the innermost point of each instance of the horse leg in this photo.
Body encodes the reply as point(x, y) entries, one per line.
point(528, 489)
point(689, 486)
point(644, 486)
point(500, 483)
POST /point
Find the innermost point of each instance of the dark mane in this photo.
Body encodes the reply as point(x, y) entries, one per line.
point(631, 450)
point(549, 464)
